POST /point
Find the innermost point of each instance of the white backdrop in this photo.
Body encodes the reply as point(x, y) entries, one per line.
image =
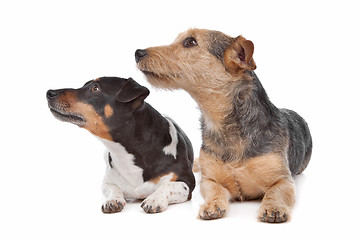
point(307, 56)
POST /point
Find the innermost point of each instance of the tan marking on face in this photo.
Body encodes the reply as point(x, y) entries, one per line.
point(93, 121)
point(108, 111)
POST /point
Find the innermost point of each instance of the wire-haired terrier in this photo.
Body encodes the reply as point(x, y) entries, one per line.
point(251, 149)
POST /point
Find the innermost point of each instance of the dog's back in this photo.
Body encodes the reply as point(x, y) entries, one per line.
point(300, 141)
point(185, 146)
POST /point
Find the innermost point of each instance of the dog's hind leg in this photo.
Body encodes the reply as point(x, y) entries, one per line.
point(165, 194)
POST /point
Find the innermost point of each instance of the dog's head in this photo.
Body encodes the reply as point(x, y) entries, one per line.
point(197, 57)
point(99, 105)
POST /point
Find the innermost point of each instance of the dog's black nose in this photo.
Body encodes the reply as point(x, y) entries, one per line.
point(139, 54)
point(51, 93)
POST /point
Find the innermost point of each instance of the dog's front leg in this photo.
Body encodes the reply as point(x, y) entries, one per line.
point(165, 194)
point(216, 196)
point(216, 200)
point(114, 195)
point(278, 201)
point(115, 201)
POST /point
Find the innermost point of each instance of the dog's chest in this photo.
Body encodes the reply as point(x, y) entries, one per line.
point(124, 173)
point(122, 162)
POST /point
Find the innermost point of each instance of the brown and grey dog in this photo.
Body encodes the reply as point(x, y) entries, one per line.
point(251, 149)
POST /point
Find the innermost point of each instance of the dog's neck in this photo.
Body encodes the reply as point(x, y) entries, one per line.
point(219, 98)
point(136, 131)
point(213, 104)
point(233, 113)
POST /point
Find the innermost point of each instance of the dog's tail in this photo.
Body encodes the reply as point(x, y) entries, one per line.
point(196, 165)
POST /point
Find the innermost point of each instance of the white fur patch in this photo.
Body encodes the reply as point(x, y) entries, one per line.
point(167, 193)
point(208, 122)
point(171, 148)
point(124, 173)
point(124, 179)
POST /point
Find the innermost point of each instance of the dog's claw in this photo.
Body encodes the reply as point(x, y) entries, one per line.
point(273, 217)
point(112, 206)
point(208, 215)
point(154, 205)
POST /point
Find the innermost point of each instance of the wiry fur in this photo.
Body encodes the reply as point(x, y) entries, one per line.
point(250, 148)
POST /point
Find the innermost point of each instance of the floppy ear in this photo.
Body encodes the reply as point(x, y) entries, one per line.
point(238, 55)
point(131, 91)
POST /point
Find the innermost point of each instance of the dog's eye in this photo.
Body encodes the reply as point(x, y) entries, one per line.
point(190, 42)
point(95, 88)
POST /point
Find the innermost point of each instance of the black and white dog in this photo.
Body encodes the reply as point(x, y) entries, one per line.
point(148, 156)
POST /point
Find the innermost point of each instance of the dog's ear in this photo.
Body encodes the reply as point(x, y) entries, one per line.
point(132, 91)
point(239, 55)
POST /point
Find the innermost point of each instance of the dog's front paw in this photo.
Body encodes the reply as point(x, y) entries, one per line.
point(273, 214)
point(212, 210)
point(113, 206)
point(154, 205)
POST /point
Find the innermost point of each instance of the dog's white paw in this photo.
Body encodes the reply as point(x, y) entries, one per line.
point(113, 205)
point(154, 204)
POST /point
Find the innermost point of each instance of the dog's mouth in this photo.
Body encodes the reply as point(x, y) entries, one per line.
point(161, 75)
point(148, 73)
point(74, 118)
point(153, 74)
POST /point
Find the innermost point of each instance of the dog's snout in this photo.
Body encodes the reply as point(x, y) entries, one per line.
point(51, 93)
point(139, 54)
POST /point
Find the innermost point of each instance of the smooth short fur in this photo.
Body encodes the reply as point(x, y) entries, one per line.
point(148, 156)
point(251, 149)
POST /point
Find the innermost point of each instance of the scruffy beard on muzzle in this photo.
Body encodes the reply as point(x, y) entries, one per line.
point(162, 81)
point(162, 74)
